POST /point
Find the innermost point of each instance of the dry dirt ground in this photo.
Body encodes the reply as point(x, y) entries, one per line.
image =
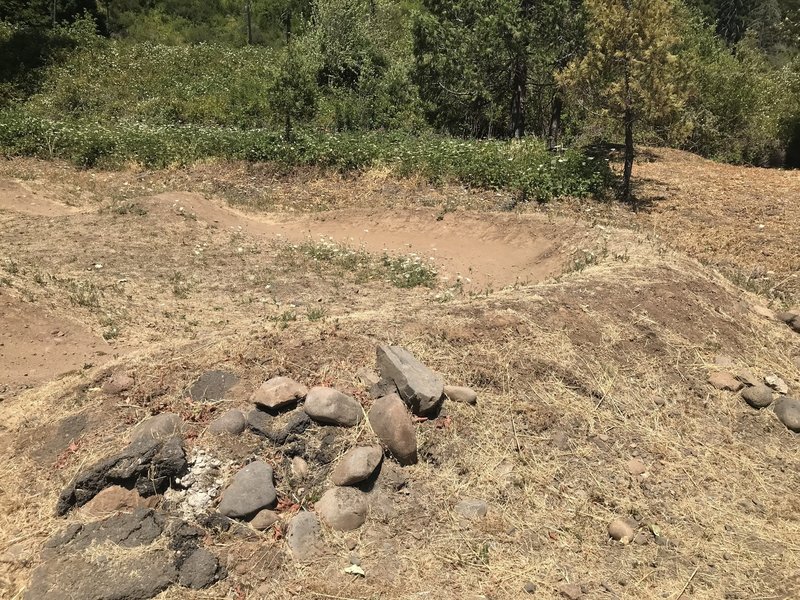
point(588, 331)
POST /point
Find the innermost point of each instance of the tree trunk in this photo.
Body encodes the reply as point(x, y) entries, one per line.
point(628, 169)
point(287, 21)
point(54, 13)
point(554, 131)
point(249, 16)
point(519, 85)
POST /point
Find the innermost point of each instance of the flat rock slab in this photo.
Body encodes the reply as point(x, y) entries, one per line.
point(278, 392)
point(418, 386)
point(212, 385)
point(758, 396)
point(356, 465)
point(391, 422)
point(121, 558)
point(304, 536)
point(788, 411)
point(147, 465)
point(722, 380)
point(159, 427)
point(343, 508)
point(777, 384)
point(231, 422)
point(332, 407)
point(117, 384)
point(250, 491)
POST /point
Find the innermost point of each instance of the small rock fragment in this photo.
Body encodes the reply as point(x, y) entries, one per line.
point(330, 406)
point(368, 377)
point(118, 383)
point(384, 387)
point(391, 422)
point(111, 500)
point(159, 427)
point(471, 508)
point(278, 392)
point(621, 531)
point(529, 588)
point(303, 536)
point(264, 519)
point(461, 394)
point(722, 380)
point(342, 508)
point(795, 324)
point(786, 316)
point(199, 570)
point(777, 384)
point(723, 361)
point(636, 467)
point(299, 467)
point(757, 396)
point(788, 411)
point(571, 591)
point(231, 422)
point(250, 491)
point(747, 377)
point(356, 465)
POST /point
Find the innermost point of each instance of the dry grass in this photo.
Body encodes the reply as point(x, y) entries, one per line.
point(575, 377)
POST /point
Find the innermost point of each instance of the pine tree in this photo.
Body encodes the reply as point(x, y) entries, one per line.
point(629, 69)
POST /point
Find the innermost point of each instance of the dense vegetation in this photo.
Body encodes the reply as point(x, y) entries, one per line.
point(427, 86)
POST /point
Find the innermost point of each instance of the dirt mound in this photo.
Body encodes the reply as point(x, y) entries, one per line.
point(15, 197)
point(598, 460)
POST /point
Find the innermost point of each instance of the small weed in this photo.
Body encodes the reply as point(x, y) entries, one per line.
point(180, 287)
point(582, 259)
point(283, 319)
point(128, 208)
point(83, 293)
point(39, 279)
point(317, 314)
point(408, 271)
point(11, 266)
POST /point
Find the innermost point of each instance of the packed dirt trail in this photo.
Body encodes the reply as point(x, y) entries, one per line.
point(487, 251)
point(605, 347)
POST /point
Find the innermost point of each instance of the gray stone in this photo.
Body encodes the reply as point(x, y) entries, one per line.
point(391, 422)
point(250, 491)
point(332, 407)
point(161, 426)
point(199, 570)
point(342, 508)
point(212, 385)
point(757, 396)
point(264, 519)
point(795, 324)
point(777, 384)
point(231, 422)
point(278, 392)
point(786, 316)
point(461, 394)
point(299, 467)
point(471, 508)
point(147, 464)
point(118, 383)
point(356, 465)
point(303, 536)
point(788, 411)
point(418, 386)
point(571, 591)
point(722, 380)
point(529, 588)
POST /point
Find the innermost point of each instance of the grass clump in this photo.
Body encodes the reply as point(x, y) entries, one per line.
point(327, 257)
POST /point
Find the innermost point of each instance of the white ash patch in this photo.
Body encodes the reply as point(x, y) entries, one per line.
point(199, 487)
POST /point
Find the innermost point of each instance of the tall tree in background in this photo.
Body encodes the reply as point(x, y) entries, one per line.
point(629, 70)
point(485, 67)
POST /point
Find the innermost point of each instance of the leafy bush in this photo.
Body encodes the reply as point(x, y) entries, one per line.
point(525, 167)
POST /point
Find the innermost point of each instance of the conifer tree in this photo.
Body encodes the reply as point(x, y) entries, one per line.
point(629, 69)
